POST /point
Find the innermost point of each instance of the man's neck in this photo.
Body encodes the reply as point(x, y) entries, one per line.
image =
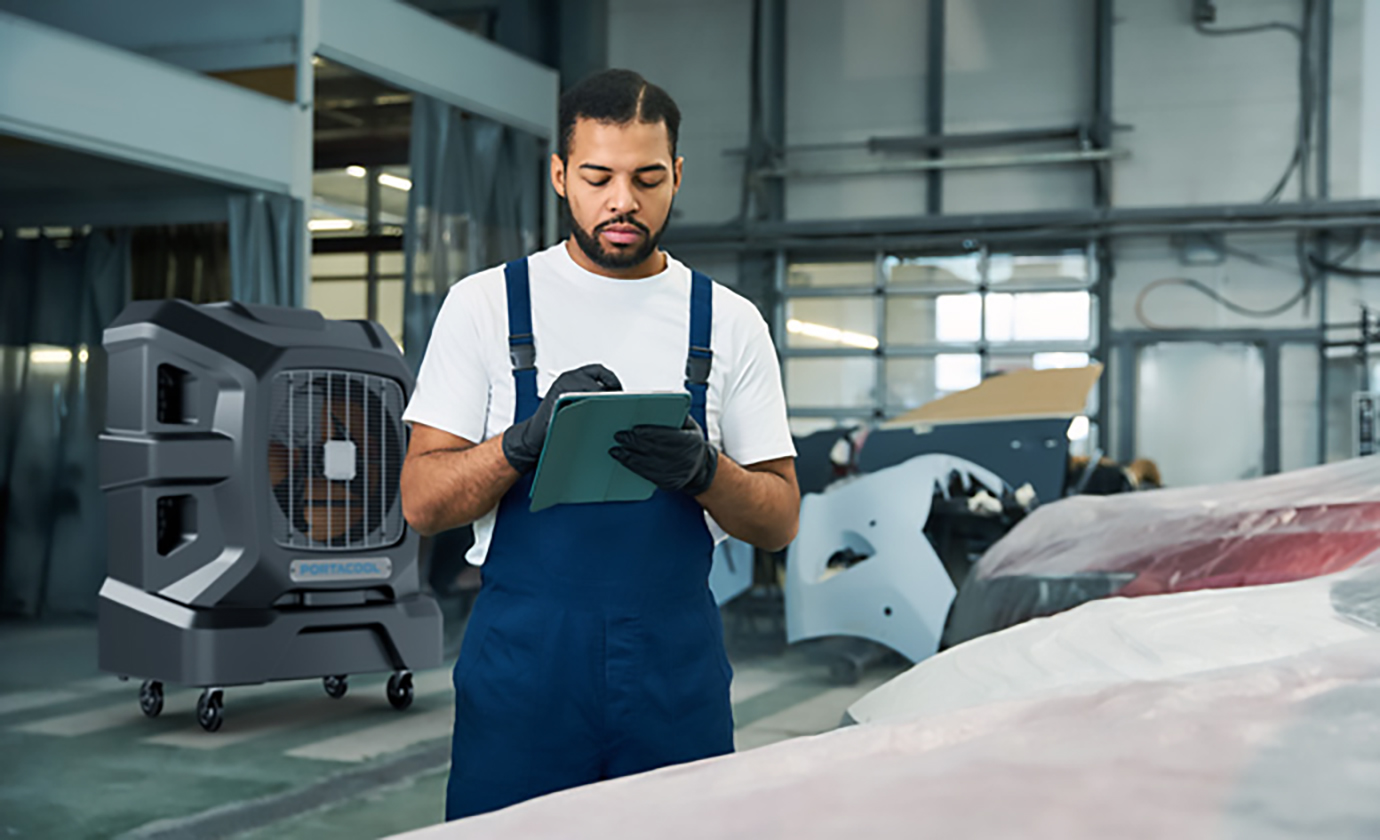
point(653, 265)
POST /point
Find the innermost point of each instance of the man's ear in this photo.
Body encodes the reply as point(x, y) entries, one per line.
point(679, 170)
point(558, 175)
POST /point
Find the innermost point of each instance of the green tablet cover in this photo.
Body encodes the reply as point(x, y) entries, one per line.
point(575, 465)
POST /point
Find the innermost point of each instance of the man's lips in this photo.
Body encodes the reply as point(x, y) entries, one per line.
point(621, 234)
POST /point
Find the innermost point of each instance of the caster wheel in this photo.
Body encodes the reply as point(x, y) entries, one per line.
point(400, 690)
point(336, 686)
point(151, 697)
point(210, 709)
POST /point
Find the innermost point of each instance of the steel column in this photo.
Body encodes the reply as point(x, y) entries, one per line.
point(1270, 351)
point(1127, 374)
point(1324, 152)
point(761, 274)
point(372, 201)
point(934, 102)
point(1102, 199)
point(1102, 98)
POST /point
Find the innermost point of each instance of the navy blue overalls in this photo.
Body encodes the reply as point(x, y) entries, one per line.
point(595, 649)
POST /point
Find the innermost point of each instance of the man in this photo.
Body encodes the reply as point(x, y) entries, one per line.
point(595, 649)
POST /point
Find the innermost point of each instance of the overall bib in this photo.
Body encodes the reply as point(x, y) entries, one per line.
point(595, 649)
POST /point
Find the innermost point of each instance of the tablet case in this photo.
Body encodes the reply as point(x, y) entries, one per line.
point(575, 466)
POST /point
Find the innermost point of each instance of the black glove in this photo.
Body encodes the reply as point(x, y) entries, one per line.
point(522, 442)
point(672, 459)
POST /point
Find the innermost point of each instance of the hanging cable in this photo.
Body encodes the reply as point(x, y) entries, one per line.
point(1303, 34)
point(1338, 268)
point(1274, 25)
point(1305, 268)
point(1212, 293)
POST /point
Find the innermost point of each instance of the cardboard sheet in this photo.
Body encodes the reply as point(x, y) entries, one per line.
point(1061, 392)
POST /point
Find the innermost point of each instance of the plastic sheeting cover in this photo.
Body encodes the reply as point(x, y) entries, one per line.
point(1288, 747)
point(1266, 530)
point(1122, 640)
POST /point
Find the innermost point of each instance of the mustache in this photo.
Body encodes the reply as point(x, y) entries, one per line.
point(622, 220)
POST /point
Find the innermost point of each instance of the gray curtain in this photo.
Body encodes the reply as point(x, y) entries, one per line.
point(266, 260)
point(55, 299)
point(475, 202)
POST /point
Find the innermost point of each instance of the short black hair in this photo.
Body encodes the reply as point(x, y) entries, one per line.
point(617, 97)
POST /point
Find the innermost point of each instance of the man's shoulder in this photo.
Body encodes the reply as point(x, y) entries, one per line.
point(481, 294)
point(483, 282)
point(730, 308)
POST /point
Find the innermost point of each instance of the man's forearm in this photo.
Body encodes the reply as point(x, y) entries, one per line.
point(760, 507)
point(447, 488)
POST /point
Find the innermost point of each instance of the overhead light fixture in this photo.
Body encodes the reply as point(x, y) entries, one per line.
point(82, 355)
point(50, 356)
point(838, 336)
point(397, 182)
point(330, 224)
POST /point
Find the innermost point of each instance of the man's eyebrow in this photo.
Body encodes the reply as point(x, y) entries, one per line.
point(655, 167)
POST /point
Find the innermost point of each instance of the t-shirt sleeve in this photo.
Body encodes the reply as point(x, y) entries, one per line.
point(452, 392)
point(753, 421)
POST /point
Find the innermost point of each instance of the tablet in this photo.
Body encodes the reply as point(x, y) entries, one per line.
point(575, 466)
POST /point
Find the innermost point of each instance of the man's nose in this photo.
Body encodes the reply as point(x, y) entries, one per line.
point(621, 198)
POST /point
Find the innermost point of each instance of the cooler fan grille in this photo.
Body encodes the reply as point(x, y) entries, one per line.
point(335, 457)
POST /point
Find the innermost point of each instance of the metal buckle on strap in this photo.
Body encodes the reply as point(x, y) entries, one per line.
point(523, 354)
point(698, 365)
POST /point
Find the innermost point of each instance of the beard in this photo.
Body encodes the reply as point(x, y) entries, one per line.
point(619, 258)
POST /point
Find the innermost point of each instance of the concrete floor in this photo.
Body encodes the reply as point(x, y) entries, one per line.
point(81, 761)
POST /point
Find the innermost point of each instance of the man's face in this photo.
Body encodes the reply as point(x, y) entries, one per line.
point(619, 183)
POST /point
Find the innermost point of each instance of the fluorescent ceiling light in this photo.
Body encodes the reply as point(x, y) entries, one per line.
point(82, 355)
point(823, 333)
point(397, 182)
point(51, 356)
point(330, 224)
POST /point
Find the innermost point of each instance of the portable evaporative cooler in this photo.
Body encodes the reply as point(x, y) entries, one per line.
point(251, 466)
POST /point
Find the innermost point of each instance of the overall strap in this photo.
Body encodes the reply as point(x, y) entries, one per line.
point(701, 358)
point(522, 349)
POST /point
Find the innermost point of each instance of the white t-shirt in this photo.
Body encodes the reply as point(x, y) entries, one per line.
point(639, 329)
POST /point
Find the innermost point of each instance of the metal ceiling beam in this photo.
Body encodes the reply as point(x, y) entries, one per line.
point(109, 102)
point(198, 36)
point(1048, 226)
point(403, 46)
point(936, 164)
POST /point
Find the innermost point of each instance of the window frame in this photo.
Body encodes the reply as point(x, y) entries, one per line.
point(882, 291)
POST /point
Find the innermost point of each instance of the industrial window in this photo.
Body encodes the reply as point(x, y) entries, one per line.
point(869, 339)
point(339, 265)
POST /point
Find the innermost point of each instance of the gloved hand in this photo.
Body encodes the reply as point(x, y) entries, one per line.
point(672, 459)
point(522, 442)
